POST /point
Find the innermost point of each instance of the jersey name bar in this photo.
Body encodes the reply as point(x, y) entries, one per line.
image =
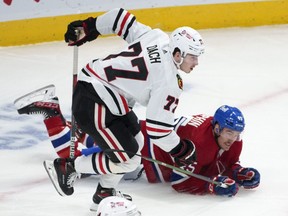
point(154, 54)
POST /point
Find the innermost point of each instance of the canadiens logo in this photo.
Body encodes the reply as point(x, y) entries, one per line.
point(180, 82)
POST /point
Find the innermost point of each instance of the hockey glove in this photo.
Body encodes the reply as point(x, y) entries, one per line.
point(184, 153)
point(89, 28)
point(231, 190)
point(247, 177)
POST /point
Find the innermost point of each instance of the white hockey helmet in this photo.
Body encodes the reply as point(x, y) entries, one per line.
point(187, 40)
point(117, 206)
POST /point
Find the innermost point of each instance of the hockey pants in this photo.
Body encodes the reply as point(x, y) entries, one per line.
point(109, 132)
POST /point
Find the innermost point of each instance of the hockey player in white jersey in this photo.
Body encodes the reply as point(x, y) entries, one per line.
point(146, 71)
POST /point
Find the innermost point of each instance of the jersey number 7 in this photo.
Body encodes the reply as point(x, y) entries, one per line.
point(172, 103)
point(140, 74)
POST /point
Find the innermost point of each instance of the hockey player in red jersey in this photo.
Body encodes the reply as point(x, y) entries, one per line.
point(218, 144)
point(146, 71)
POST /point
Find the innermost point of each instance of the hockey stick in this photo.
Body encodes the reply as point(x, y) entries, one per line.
point(204, 178)
point(73, 122)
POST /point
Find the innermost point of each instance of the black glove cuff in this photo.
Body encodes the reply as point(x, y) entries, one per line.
point(90, 30)
point(176, 149)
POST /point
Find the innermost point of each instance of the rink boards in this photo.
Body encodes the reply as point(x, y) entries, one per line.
point(202, 16)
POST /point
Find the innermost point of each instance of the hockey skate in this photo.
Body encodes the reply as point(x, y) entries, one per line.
point(101, 193)
point(62, 174)
point(41, 101)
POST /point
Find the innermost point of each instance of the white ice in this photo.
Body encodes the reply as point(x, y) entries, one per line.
point(243, 67)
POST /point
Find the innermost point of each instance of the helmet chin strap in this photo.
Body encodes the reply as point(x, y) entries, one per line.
point(181, 61)
point(178, 63)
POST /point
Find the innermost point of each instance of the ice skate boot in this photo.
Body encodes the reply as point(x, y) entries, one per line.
point(101, 193)
point(62, 174)
point(41, 101)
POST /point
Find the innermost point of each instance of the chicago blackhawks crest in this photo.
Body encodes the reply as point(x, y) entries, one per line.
point(180, 82)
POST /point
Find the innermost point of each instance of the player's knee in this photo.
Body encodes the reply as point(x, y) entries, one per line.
point(131, 164)
point(135, 162)
point(127, 166)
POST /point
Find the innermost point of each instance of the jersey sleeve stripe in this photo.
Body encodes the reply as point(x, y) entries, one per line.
point(158, 130)
point(150, 121)
point(123, 23)
point(117, 19)
point(128, 27)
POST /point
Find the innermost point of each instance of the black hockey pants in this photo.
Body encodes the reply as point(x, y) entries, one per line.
point(108, 131)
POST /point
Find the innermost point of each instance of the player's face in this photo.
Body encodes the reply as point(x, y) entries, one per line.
point(189, 62)
point(227, 137)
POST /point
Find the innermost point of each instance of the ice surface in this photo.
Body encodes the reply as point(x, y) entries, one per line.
point(244, 67)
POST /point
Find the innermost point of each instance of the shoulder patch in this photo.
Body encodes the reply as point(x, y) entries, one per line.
point(180, 82)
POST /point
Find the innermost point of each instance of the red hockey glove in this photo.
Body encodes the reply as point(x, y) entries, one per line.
point(89, 28)
point(247, 177)
point(230, 191)
point(184, 153)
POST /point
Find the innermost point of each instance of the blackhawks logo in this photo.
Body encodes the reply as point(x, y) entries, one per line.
point(180, 82)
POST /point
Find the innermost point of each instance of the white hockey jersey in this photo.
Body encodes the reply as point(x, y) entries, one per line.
point(144, 72)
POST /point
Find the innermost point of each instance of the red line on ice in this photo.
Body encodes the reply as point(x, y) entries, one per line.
point(264, 98)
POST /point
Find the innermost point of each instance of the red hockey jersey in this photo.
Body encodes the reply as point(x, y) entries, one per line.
point(211, 160)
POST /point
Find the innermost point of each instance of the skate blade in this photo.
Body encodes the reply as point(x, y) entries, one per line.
point(49, 167)
point(94, 207)
point(37, 95)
